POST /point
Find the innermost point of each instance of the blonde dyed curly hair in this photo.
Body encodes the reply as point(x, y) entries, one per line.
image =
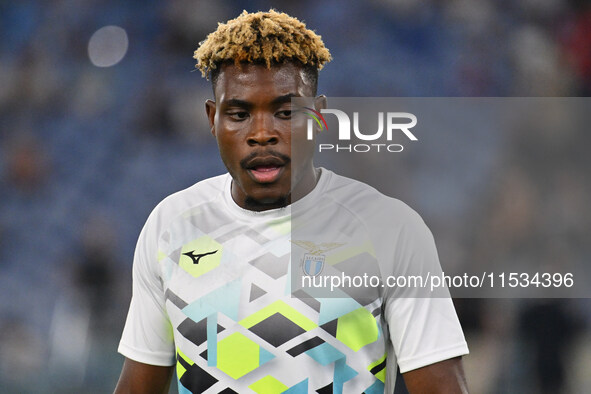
point(261, 38)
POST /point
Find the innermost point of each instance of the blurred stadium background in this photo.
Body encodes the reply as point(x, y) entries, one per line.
point(101, 117)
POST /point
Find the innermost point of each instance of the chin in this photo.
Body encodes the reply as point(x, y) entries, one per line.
point(268, 202)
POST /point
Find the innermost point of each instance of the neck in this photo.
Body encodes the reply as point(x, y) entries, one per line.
point(304, 185)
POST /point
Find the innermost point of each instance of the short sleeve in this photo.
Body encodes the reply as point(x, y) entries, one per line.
point(147, 336)
point(424, 331)
point(424, 328)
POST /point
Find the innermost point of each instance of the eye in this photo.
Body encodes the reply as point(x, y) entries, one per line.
point(284, 114)
point(237, 115)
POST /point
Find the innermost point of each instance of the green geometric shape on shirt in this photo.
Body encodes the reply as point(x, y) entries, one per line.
point(332, 308)
point(268, 385)
point(378, 368)
point(200, 256)
point(180, 368)
point(357, 329)
point(160, 255)
point(281, 226)
point(281, 307)
point(237, 355)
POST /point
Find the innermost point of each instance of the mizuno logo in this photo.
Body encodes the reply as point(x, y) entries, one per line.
point(197, 257)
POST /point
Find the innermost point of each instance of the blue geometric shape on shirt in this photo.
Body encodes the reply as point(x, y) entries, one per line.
point(300, 388)
point(225, 299)
point(376, 388)
point(182, 389)
point(342, 373)
point(265, 356)
point(332, 308)
point(212, 340)
point(325, 354)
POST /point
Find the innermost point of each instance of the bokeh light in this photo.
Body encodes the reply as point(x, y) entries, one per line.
point(108, 46)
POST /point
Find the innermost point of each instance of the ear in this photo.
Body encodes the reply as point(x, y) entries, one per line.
point(320, 102)
point(210, 111)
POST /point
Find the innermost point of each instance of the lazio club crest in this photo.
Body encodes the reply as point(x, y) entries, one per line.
point(313, 262)
point(312, 265)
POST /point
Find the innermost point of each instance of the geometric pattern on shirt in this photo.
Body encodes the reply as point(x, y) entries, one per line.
point(250, 233)
point(255, 292)
point(274, 266)
point(200, 256)
point(378, 368)
point(191, 377)
point(307, 299)
point(237, 354)
point(277, 323)
point(195, 332)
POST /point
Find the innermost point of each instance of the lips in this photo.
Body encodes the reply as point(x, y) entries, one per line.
point(265, 174)
point(265, 169)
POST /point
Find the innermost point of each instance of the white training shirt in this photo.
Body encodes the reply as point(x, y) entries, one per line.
point(221, 292)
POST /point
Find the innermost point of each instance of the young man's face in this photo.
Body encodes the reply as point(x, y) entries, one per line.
point(251, 120)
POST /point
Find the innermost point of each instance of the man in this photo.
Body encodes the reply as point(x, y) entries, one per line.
point(211, 291)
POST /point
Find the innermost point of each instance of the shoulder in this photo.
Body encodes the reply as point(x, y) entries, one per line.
point(176, 204)
point(370, 204)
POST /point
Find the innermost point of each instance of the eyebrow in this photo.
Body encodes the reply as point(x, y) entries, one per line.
point(234, 102)
point(286, 98)
point(237, 103)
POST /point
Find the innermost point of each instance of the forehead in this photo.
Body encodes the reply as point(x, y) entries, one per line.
point(252, 81)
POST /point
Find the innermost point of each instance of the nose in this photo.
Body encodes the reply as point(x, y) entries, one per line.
point(262, 131)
